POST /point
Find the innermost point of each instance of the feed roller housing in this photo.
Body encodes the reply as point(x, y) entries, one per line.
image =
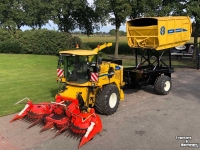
point(158, 33)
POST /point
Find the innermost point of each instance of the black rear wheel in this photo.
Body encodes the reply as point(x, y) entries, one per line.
point(163, 85)
point(107, 99)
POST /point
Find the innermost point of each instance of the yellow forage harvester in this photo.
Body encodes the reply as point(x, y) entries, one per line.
point(89, 83)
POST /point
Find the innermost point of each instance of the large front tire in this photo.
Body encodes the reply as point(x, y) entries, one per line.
point(163, 85)
point(107, 99)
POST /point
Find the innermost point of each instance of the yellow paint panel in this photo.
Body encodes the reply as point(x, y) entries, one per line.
point(79, 52)
point(72, 91)
point(86, 52)
point(158, 32)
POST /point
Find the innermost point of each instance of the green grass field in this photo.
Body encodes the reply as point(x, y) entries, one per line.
point(122, 39)
point(32, 76)
point(86, 39)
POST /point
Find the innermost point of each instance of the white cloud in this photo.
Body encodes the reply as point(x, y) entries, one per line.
point(90, 1)
point(50, 26)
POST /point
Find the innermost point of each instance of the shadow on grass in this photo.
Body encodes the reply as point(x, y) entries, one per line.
point(54, 92)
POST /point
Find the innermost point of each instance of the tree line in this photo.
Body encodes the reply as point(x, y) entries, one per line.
point(112, 32)
point(67, 14)
point(79, 14)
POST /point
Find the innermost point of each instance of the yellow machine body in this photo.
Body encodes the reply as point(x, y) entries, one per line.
point(108, 73)
point(158, 32)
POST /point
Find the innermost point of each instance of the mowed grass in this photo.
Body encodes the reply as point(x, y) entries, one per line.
point(32, 76)
point(122, 39)
point(96, 38)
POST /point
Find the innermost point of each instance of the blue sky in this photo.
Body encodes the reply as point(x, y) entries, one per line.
point(52, 26)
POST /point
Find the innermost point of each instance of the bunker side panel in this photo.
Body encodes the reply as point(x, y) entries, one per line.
point(173, 32)
point(158, 33)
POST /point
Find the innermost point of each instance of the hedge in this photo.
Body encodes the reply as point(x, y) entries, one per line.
point(49, 42)
point(44, 42)
point(122, 49)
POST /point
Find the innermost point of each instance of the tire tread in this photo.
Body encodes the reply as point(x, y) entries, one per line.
point(102, 96)
point(159, 83)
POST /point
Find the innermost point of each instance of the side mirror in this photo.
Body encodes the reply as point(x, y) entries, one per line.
point(61, 60)
point(100, 60)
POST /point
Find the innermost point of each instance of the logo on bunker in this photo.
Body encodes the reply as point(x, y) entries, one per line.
point(162, 30)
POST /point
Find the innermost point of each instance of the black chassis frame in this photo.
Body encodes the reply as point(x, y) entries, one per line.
point(145, 74)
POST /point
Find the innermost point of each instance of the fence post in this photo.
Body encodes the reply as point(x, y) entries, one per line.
point(198, 58)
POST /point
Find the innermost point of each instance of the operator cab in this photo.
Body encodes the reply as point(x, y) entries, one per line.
point(77, 65)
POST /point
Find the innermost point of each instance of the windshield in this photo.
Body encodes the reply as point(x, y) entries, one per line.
point(77, 69)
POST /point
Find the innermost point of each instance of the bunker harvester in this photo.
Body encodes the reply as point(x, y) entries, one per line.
point(151, 39)
point(90, 83)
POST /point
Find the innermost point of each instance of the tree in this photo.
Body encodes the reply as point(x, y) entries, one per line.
point(117, 11)
point(67, 14)
point(11, 15)
point(193, 9)
point(73, 14)
point(136, 8)
point(181, 7)
point(113, 32)
point(146, 8)
point(17, 13)
point(37, 12)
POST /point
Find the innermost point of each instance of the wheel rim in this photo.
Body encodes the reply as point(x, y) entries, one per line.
point(113, 100)
point(167, 86)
